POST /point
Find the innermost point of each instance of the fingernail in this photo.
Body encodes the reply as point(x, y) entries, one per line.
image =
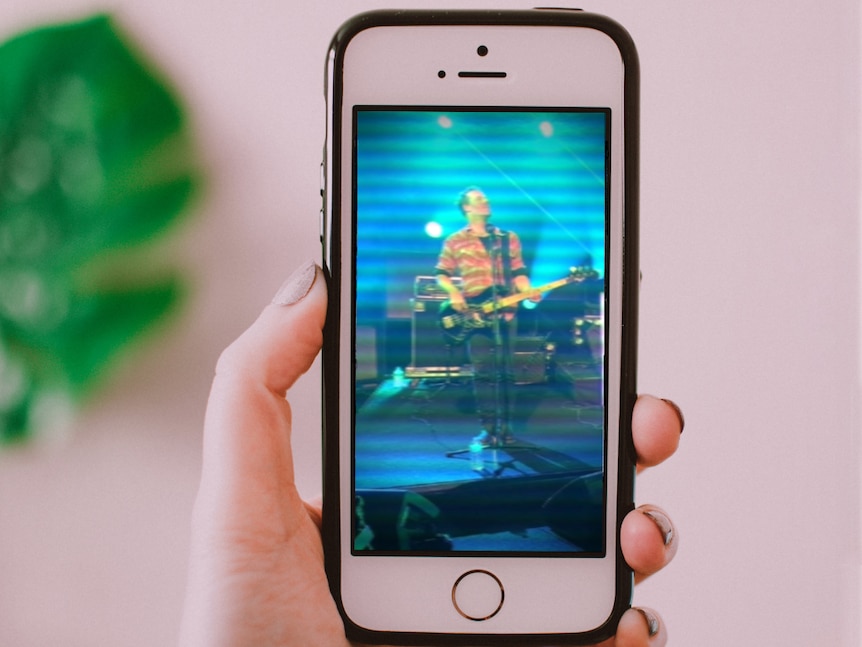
point(675, 407)
point(651, 620)
point(664, 525)
point(297, 285)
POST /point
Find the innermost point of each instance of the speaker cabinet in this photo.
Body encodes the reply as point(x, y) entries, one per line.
point(430, 356)
point(582, 381)
point(397, 520)
point(531, 360)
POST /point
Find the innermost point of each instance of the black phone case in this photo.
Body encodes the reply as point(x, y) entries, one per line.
point(631, 281)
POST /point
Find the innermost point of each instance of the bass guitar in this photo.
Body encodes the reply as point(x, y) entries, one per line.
point(458, 326)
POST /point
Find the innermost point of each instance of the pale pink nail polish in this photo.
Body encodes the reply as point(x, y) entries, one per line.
point(297, 285)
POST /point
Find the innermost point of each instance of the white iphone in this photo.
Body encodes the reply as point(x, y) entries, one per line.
point(480, 238)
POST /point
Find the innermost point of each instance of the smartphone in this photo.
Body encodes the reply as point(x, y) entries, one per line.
point(481, 243)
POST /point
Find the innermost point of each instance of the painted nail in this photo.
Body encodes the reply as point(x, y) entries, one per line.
point(651, 620)
point(675, 407)
point(664, 525)
point(297, 285)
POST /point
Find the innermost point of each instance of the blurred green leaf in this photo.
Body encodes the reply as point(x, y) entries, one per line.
point(95, 159)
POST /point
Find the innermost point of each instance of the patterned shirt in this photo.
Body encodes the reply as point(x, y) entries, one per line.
point(465, 254)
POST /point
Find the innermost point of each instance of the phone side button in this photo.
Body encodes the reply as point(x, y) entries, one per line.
point(478, 595)
point(323, 178)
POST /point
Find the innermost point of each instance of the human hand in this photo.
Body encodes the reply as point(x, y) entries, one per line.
point(457, 301)
point(522, 285)
point(256, 574)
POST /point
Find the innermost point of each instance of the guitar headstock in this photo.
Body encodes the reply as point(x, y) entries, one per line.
point(578, 274)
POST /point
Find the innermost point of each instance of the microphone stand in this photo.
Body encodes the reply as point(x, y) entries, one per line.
point(499, 361)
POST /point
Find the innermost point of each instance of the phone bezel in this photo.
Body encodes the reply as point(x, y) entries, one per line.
point(336, 336)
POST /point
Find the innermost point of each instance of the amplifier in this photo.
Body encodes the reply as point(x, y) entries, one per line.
point(430, 356)
point(532, 357)
point(426, 287)
point(582, 381)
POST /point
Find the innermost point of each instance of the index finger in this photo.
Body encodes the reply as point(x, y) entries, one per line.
point(656, 428)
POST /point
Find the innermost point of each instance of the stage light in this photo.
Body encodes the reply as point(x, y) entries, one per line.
point(444, 121)
point(529, 305)
point(547, 128)
point(434, 229)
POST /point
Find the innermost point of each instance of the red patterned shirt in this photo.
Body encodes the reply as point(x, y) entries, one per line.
point(465, 254)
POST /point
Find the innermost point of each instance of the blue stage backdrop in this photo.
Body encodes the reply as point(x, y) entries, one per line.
point(543, 172)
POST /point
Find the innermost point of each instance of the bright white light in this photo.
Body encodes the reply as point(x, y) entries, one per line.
point(434, 229)
point(547, 128)
point(444, 121)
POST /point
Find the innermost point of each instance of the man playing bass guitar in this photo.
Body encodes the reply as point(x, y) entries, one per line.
point(490, 265)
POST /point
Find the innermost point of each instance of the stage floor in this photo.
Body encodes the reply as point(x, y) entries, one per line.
point(419, 434)
point(542, 493)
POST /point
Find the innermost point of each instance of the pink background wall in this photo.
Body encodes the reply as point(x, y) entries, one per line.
point(749, 320)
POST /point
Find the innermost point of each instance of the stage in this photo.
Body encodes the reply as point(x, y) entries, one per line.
point(541, 492)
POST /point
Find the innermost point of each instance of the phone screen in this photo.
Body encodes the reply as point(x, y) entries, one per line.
point(479, 424)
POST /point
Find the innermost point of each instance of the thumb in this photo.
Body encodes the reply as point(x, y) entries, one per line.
point(247, 457)
point(281, 345)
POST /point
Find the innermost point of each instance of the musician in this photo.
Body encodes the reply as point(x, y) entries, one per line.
point(468, 253)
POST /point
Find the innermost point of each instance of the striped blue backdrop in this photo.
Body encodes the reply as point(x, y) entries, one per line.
point(543, 171)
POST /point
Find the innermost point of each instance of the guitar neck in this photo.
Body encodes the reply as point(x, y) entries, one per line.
point(505, 302)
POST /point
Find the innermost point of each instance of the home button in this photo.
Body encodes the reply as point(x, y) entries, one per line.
point(478, 595)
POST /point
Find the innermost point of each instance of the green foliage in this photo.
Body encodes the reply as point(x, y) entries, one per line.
point(95, 160)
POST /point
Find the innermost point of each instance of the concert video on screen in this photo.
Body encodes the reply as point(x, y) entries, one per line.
point(479, 312)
